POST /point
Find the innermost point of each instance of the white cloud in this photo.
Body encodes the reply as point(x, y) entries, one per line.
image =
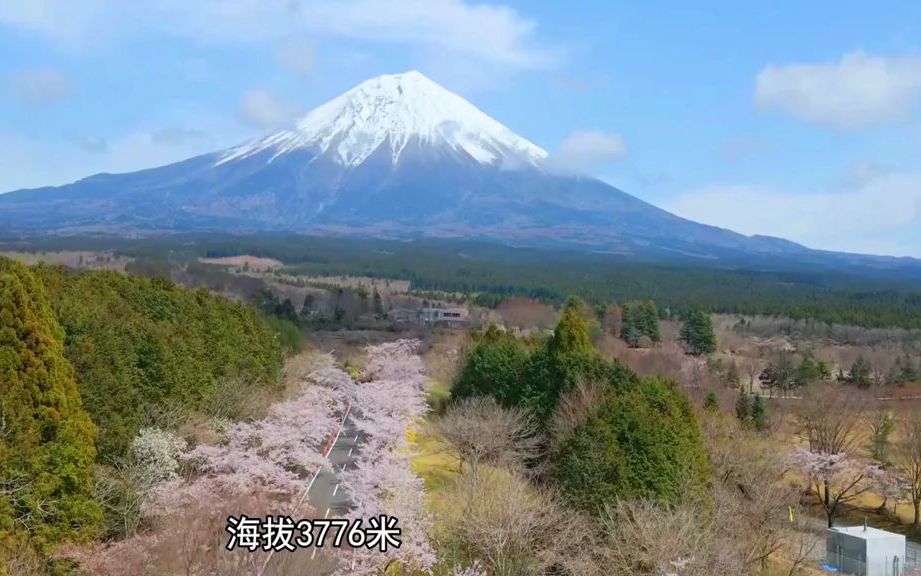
point(40, 87)
point(261, 109)
point(586, 151)
point(869, 215)
point(858, 91)
point(66, 21)
point(487, 32)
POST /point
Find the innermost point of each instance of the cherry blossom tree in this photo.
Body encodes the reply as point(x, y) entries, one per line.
point(386, 404)
point(835, 478)
point(892, 487)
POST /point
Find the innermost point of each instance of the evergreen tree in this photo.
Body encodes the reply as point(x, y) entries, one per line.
point(697, 333)
point(649, 314)
point(743, 407)
point(860, 373)
point(631, 335)
point(378, 304)
point(571, 338)
point(640, 318)
point(286, 311)
point(308, 307)
point(759, 413)
point(566, 359)
point(710, 401)
point(642, 441)
point(494, 366)
point(47, 441)
point(810, 370)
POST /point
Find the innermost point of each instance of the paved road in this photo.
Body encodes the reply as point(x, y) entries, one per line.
point(327, 495)
point(327, 499)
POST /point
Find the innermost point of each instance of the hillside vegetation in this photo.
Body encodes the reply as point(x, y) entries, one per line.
point(86, 360)
point(46, 444)
point(142, 345)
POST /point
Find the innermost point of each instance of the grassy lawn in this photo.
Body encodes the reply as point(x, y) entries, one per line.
point(434, 462)
point(438, 394)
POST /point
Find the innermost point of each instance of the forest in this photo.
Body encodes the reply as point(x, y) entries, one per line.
point(90, 359)
point(490, 272)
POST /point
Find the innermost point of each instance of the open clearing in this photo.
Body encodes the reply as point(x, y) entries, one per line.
point(252, 262)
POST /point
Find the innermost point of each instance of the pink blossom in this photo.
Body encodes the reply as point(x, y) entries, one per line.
point(382, 482)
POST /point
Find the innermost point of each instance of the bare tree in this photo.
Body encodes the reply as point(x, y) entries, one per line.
point(576, 406)
point(750, 502)
point(908, 462)
point(828, 418)
point(648, 539)
point(516, 529)
point(879, 422)
point(481, 431)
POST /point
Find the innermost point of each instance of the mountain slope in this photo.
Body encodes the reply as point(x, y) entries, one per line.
point(396, 156)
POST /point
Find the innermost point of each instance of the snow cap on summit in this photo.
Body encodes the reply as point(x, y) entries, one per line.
point(392, 110)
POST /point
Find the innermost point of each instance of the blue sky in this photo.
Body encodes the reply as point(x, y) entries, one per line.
point(789, 118)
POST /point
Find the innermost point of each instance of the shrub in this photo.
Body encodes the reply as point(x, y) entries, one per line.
point(642, 441)
point(494, 367)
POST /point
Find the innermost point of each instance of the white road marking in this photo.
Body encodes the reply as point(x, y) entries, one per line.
point(350, 451)
point(303, 497)
point(312, 480)
point(336, 489)
point(327, 513)
point(356, 438)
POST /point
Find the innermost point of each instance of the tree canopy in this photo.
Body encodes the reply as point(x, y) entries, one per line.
point(697, 333)
point(643, 441)
point(47, 441)
point(140, 345)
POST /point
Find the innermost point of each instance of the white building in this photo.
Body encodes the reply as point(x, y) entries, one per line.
point(865, 551)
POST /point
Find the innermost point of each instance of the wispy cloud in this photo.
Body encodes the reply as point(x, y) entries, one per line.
point(260, 108)
point(488, 32)
point(861, 216)
point(586, 151)
point(40, 87)
point(858, 91)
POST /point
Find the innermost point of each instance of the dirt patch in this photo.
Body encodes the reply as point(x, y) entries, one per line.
point(245, 261)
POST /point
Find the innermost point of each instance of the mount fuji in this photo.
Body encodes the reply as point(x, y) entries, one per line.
point(397, 156)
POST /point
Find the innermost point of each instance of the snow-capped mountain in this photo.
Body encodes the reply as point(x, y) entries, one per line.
point(390, 113)
point(396, 156)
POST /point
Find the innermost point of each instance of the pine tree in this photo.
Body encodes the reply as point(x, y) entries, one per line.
point(710, 401)
point(743, 407)
point(571, 338)
point(47, 445)
point(632, 336)
point(640, 318)
point(697, 333)
point(378, 304)
point(860, 373)
point(759, 413)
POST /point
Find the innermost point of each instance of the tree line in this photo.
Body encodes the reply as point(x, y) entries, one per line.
point(489, 272)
